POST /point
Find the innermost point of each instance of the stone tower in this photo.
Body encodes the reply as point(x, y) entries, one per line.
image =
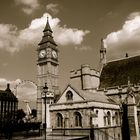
point(85, 78)
point(102, 53)
point(47, 66)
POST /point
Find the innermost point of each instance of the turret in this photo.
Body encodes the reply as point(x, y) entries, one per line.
point(85, 78)
point(102, 53)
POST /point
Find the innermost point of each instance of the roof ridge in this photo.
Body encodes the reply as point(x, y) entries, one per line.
point(125, 58)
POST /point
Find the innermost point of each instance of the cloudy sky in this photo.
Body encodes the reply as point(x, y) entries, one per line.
point(78, 27)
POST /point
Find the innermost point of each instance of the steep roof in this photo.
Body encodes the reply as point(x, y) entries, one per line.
point(116, 73)
point(92, 96)
point(47, 27)
point(47, 37)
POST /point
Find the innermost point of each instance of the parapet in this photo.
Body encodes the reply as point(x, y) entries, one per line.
point(86, 70)
point(119, 89)
point(85, 77)
point(75, 73)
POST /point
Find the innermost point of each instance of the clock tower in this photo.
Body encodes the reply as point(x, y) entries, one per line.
point(47, 66)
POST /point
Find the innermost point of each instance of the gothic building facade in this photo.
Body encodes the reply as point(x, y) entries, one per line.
point(81, 107)
point(93, 99)
point(120, 80)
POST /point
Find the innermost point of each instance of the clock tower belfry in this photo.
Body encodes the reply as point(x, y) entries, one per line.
point(47, 66)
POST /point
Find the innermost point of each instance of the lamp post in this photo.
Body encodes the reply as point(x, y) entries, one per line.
point(65, 125)
point(91, 125)
point(45, 90)
point(124, 108)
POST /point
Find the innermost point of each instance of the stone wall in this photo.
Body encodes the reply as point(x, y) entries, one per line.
point(97, 119)
point(108, 133)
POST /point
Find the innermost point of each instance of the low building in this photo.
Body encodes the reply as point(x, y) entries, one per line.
point(8, 106)
point(81, 108)
point(95, 100)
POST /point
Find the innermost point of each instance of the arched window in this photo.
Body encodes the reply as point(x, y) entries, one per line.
point(78, 119)
point(116, 118)
point(108, 118)
point(104, 120)
point(69, 95)
point(59, 119)
point(97, 112)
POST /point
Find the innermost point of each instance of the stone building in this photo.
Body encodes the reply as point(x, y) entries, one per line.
point(91, 94)
point(120, 80)
point(81, 107)
point(93, 100)
point(77, 111)
point(8, 106)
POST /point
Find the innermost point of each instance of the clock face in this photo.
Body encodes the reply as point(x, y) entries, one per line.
point(42, 54)
point(54, 54)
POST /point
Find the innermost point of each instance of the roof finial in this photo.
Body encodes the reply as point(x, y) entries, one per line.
point(47, 18)
point(129, 89)
point(126, 55)
point(47, 27)
point(8, 87)
point(128, 82)
point(103, 52)
point(102, 43)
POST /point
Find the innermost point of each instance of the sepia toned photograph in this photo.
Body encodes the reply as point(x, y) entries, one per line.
point(69, 70)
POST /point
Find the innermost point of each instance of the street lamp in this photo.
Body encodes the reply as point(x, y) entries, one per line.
point(45, 90)
point(92, 115)
point(124, 106)
point(65, 125)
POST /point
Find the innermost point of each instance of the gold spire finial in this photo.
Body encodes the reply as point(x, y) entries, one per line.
point(47, 18)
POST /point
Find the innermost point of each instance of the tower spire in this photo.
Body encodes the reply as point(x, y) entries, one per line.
point(47, 37)
point(47, 27)
point(102, 53)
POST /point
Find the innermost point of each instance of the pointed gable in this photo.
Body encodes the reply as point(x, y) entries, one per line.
point(82, 96)
point(70, 95)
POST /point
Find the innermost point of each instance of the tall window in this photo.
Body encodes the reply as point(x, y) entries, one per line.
point(69, 95)
point(59, 118)
point(116, 118)
point(97, 112)
point(108, 118)
point(78, 119)
point(104, 120)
